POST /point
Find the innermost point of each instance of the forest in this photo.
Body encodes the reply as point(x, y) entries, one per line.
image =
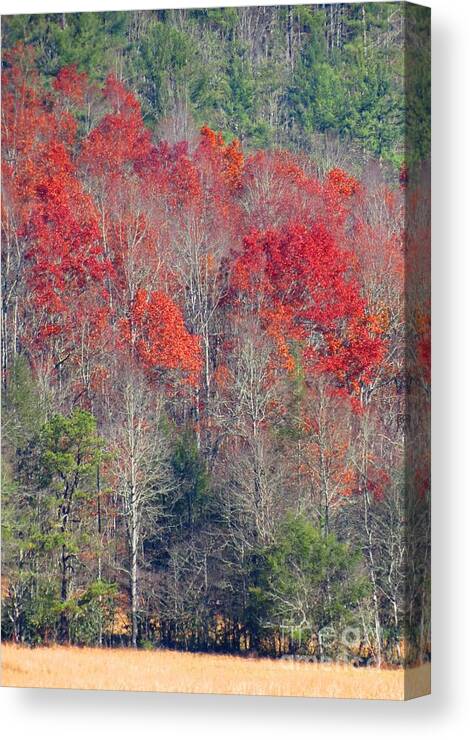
point(298, 77)
point(215, 363)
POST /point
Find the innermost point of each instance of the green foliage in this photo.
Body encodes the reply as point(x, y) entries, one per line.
point(303, 73)
point(221, 19)
point(34, 604)
point(305, 579)
point(417, 85)
point(22, 408)
point(356, 92)
point(89, 40)
point(91, 612)
point(163, 63)
point(190, 473)
point(277, 77)
point(41, 610)
point(45, 510)
point(69, 451)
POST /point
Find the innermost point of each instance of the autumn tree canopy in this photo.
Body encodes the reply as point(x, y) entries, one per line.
point(206, 366)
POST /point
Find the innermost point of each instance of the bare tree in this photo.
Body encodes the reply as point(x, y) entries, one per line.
point(141, 470)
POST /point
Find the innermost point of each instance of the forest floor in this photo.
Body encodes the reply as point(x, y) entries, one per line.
point(169, 671)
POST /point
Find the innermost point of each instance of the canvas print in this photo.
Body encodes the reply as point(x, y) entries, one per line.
point(216, 350)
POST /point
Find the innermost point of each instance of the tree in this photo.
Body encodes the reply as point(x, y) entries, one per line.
point(298, 278)
point(308, 582)
point(270, 76)
point(190, 480)
point(62, 461)
point(140, 472)
point(209, 353)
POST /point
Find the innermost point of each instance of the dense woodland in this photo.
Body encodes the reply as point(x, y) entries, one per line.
point(215, 377)
point(303, 77)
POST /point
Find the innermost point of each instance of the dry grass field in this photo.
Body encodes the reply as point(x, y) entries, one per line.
point(164, 670)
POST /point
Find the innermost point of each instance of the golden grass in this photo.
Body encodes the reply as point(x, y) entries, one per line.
point(165, 670)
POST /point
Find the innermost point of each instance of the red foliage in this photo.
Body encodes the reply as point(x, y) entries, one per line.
point(120, 139)
point(404, 175)
point(339, 192)
point(46, 211)
point(71, 83)
point(156, 329)
point(300, 279)
point(228, 158)
point(170, 174)
point(101, 222)
point(63, 231)
point(276, 186)
point(423, 346)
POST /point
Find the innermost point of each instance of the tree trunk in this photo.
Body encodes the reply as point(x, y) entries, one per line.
point(64, 626)
point(134, 624)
